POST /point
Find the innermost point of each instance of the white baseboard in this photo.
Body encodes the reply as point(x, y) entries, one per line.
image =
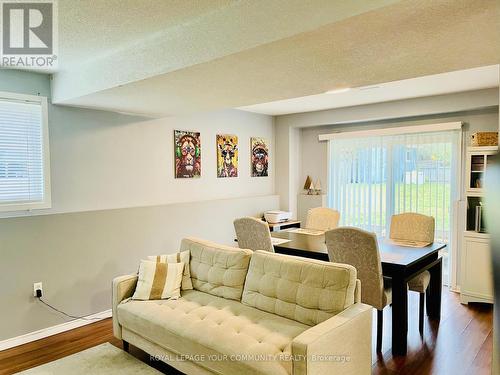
point(46, 332)
point(455, 289)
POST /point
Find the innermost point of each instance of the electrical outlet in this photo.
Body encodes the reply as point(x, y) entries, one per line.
point(37, 286)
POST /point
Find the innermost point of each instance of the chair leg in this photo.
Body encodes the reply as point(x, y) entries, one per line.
point(380, 323)
point(421, 313)
point(125, 345)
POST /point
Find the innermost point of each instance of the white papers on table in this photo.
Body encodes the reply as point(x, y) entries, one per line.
point(279, 241)
point(409, 243)
point(312, 232)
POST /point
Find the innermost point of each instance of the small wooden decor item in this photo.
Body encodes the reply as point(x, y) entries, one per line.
point(484, 139)
point(309, 186)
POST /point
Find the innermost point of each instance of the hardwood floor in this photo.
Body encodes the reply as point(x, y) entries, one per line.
point(460, 343)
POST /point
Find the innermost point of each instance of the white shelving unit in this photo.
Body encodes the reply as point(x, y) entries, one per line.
point(476, 270)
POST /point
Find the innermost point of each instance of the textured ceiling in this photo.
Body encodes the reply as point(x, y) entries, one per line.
point(402, 40)
point(90, 28)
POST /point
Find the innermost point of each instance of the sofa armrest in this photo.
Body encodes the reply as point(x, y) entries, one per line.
point(339, 345)
point(123, 287)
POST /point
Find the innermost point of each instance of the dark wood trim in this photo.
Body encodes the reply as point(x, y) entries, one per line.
point(421, 305)
point(399, 314)
point(380, 330)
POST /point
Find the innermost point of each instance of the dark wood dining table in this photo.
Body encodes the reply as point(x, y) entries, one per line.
point(400, 263)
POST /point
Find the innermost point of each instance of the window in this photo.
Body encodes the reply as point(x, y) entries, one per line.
point(375, 177)
point(24, 153)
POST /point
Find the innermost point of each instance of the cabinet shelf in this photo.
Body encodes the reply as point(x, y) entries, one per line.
point(476, 282)
point(474, 234)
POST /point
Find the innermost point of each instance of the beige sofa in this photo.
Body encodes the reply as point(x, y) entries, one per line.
point(252, 313)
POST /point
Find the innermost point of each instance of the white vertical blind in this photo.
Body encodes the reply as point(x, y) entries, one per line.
point(372, 178)
point(21, 153)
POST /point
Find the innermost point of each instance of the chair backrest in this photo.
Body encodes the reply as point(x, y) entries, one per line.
point(322, 218)
point(411, 226)
point(253, 234)
point(359, 249)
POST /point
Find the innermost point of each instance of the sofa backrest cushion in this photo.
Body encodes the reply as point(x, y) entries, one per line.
point(217, 269)
point(306, 290)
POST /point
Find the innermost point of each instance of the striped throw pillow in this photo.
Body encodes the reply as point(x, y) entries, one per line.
point(177, 258)
point(158, 280)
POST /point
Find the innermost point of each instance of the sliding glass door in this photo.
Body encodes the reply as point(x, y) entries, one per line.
point(372, 178)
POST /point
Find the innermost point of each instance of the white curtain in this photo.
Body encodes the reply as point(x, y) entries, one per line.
point(372, 178)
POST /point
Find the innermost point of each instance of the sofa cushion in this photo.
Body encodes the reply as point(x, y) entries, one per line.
point(306, 290)
point(203, 324)
point(158, 280)
point(179, 257)
point(217, 269)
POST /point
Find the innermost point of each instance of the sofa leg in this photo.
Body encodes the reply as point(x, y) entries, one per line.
point(421, 313)
point(380, 323)
point(125, 346)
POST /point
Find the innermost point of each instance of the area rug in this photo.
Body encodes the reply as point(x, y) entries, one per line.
point(104, 359)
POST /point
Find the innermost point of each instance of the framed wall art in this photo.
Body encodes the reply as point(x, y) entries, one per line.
point(227, 155)
point(187, 146)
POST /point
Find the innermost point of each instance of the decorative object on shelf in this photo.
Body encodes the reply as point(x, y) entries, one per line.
point(484, 139)
point(317, 187)
point(307, 185)
point(227, 155)
point(187, 146)
point(259, 157)
point(479, 227)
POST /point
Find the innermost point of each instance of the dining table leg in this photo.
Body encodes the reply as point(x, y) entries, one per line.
point(433, 293)
point(399, 315)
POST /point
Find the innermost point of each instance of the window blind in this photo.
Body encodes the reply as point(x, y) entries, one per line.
point(373, 178)
point(21, 153)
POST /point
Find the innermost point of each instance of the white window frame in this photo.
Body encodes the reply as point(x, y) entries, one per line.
point(47, 201)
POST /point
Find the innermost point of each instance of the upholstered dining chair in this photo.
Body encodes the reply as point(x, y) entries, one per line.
point(322, 218)
point(253, 234)
point(359, 248)
point(408, 227)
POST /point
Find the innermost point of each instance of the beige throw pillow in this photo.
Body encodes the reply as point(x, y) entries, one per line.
point(158, 280)
point(183, 257)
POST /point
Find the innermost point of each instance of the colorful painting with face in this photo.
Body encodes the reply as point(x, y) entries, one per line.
point(187, 154)
point(227, 155)
point(259, 157)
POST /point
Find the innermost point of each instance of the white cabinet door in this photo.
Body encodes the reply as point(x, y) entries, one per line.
point(478, 278)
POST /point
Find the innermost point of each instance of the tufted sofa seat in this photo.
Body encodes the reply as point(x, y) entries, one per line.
point(252, 313)
point(216, 325)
